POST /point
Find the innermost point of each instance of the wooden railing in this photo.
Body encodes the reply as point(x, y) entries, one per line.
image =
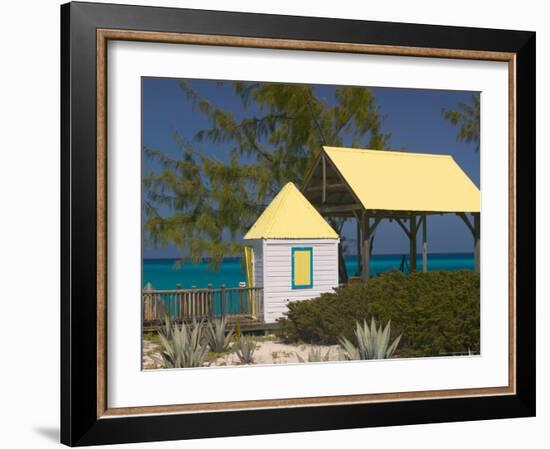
point(203, 303)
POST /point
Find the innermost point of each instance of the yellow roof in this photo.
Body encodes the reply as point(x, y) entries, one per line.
point(290, 216)
point(391, 180)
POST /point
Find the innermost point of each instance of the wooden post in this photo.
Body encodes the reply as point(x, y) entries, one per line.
point(193, 302)
point(358, 271)
point(477, 233)
point(366, 248)
point(222, 300)
point(241, 302)
point(211, 301)
point(147, 302)
point(424, 245)
point(412, 238)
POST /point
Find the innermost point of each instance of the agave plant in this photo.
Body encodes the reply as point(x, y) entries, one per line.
point(315, 355)
point(166, 329)
point(372, 343)
point(183, 346)
point(217, 337)
point(245, 351)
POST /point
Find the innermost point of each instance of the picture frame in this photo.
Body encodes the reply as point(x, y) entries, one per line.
point(86, 28)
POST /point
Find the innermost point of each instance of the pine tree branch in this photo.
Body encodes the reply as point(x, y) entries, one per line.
point(314, 117)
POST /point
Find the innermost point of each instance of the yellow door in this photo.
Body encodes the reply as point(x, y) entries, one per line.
point(302, 267)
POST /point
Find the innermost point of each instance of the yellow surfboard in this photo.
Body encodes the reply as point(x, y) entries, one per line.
point(248, 260)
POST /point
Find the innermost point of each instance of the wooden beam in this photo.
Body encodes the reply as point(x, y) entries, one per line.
point(412, 239)
point(464, 218)
point(366, 249)
point(424, 245)
point(334, 186)
point(477, 233)
point(310, 174)
point(377, 221)
point(345, 215)
point(340, 208)
point(358, 271)
point(421, 218)
point(400, 223)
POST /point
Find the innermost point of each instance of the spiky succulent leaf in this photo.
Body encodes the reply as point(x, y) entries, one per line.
point(393, 347)
point(183, 345)
point(351, 352)
point(372, 342)
point(246, 350)
point(218, 339)
point(315, 355)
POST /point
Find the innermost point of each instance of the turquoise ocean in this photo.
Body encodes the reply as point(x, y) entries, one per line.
point(163, 274)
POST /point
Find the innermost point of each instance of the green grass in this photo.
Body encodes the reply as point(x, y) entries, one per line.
point(262, 338)
point(152, 337)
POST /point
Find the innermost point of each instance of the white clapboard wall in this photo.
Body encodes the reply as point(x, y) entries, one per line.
point(273, 272)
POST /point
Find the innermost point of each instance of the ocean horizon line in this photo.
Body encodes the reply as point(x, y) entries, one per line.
point(235, 258)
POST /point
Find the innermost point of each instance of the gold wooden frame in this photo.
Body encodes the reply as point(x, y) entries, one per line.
point(104, 35)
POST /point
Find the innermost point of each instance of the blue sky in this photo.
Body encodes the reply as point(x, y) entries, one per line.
point(412, 116)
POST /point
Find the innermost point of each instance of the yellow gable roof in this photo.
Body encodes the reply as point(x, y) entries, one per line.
point(290, 216)
point(391, 180)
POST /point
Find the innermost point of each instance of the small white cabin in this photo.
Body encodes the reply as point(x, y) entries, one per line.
point(294, 252)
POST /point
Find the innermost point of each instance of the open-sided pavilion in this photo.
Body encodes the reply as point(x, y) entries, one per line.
point(374, 185)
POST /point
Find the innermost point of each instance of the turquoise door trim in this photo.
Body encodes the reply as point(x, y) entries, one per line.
point(303, 248)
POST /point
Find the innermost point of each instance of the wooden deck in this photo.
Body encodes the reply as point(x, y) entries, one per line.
point(243, 305)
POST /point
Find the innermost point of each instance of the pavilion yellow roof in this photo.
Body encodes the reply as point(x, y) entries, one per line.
point(290, 216)
point(391, 180)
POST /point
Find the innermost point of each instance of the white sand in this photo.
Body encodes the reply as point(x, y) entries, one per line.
point(151, 357)
point(267, 352)
point(273, 352)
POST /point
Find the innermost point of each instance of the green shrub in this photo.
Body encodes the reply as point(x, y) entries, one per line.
point(437, 312)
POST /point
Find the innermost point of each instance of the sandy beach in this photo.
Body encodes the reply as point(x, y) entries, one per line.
point(269, 351)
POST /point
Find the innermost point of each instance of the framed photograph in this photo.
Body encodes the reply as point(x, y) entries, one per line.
point(280, 224)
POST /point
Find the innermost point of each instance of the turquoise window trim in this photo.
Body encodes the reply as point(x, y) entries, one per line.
point(303, 248)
